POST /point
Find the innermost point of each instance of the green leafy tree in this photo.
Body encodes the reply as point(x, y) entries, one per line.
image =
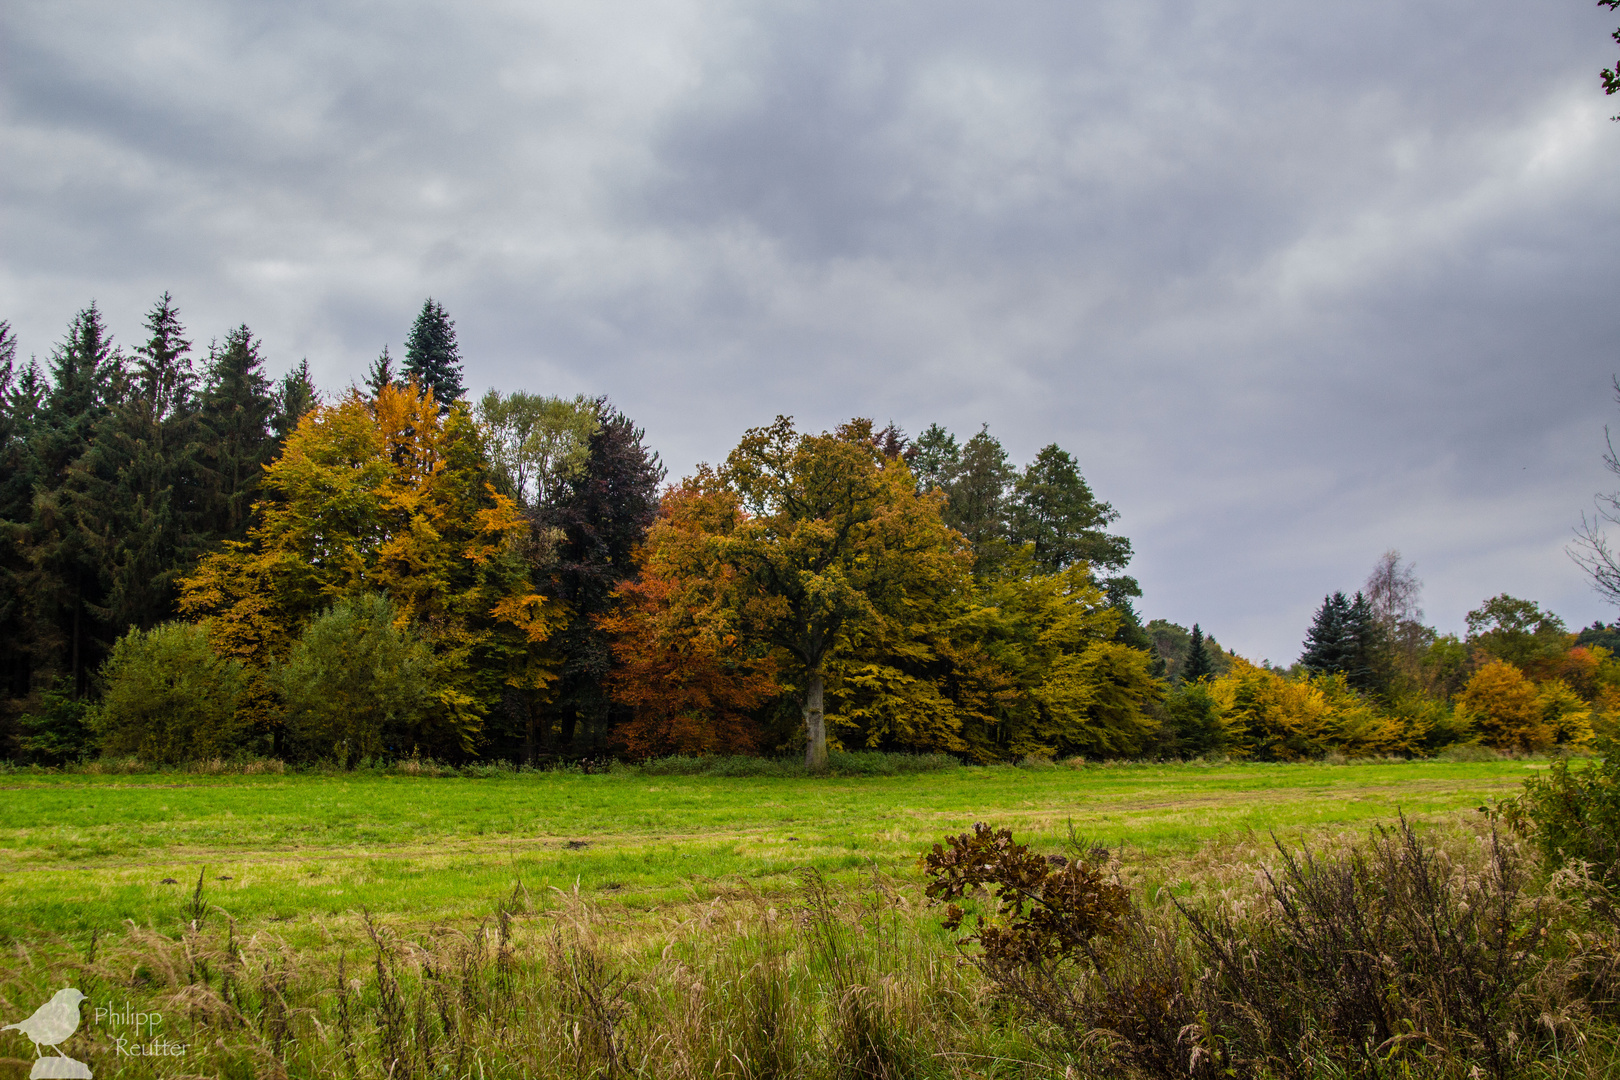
point(1519, 632)
point(432, 357)
point(168, 696)
point(1611, 76)
point(537, 444)
point(833, 539)
point(358, 686)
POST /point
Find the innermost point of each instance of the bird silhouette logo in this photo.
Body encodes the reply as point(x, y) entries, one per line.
point(51, 1025)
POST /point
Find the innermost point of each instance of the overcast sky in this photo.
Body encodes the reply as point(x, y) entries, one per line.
point(1295, 282)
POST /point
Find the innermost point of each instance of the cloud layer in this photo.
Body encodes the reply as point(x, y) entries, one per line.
point(1295, 283)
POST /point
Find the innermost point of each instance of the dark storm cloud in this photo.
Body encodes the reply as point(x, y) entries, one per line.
point(1297, 283)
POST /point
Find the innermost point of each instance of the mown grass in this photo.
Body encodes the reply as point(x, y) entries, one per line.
point(641, 923)
point(81, 852)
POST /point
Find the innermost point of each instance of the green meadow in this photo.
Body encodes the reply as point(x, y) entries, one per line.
point(82, 852)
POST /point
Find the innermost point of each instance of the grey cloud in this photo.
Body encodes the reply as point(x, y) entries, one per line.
point(1296, 282)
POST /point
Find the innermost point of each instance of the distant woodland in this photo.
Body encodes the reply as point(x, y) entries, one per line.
point(201, 561)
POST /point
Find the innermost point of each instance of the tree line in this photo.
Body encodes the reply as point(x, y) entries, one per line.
point(201, 561)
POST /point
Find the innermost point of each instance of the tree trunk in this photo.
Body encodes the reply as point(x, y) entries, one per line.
point(815, 750)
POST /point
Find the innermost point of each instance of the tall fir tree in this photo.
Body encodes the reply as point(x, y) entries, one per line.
point(235, 411)
point(1055, 511)
point(137, 488)
point(432, 356)
point(934, 458)
point(1330, 645)
point(1197, 664)
point(64, 583)
point(381, 373)
point(977, 503)
point(295, 396)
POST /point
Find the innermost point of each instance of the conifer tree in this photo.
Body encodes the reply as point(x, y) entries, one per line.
point(295, 396)
point(136, 489)
point(381, 373)
point(64, 583)
point(1330, 644)
point(432, 357)
point(934, 459)
point(1197, 664)
point(235, 411)
point(1055, 510)
point(978, 505)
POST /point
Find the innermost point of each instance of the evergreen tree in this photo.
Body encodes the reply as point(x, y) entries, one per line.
point(602, 513)
point(934, 459)
point(136, 489)
point(1369, 666)
point(977, 500)
point(1197, 664)
point(235, 412)
point(63, 582)
point(381, 373)
point(295, 396)
point(432, 357)
point(1330, 643)
point(1055, 510)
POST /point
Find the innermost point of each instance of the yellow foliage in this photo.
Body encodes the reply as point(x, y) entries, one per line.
point(1504, 707)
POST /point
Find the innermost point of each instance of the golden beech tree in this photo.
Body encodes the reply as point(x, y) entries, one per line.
point(1502, 704)
point(384, 495)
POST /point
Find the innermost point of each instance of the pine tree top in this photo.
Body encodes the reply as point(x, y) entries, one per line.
point(432, 356)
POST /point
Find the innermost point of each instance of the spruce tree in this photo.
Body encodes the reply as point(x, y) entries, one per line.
point(62, 541)
point(137, 488)
point(381, 373)
point(295, 396)
point(934, 459)
point(1197, 665)
point(236, 409)
point(1055, 511)
point(432, 357)
point(1330, 644)
point(977, 500)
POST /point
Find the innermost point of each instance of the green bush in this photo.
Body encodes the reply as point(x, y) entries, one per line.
point(168, 697)
point(356, 687)
point(1574, 813)
point(56, 729)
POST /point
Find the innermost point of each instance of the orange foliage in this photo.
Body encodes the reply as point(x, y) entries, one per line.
point(689, 684)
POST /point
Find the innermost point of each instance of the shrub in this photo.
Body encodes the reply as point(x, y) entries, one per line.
point(357, 686)
point(56, 730)
point(1574, 814)
point(168, 697)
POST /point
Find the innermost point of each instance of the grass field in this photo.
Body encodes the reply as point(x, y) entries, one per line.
point(80, 852)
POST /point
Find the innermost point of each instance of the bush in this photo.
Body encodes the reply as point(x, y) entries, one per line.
point(56, 730)
point(1574, 814)
point(168, 697)
point(356, 686)
point(1392, 959)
